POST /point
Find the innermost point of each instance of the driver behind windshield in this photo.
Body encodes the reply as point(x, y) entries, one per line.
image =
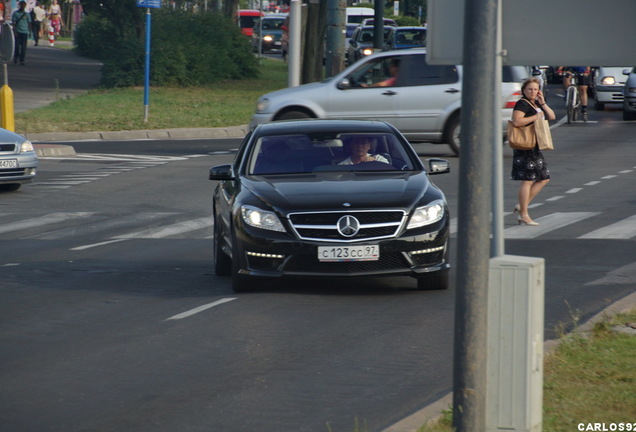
point(359, 148)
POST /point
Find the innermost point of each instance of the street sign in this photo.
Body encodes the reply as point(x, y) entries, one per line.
point(149, 3)
point(542, 32)
point(7, 43)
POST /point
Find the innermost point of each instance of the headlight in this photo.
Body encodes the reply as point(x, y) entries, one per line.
point(609, 80)
point(26, 146)
point(261, 219)
point(268, 38)
point(262, 105)
point(367, 51)
point(427, 215)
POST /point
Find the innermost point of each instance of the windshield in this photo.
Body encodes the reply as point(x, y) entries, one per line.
point(271, 23)
point(294, 154)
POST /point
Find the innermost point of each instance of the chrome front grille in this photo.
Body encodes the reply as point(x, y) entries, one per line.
point(370, 224)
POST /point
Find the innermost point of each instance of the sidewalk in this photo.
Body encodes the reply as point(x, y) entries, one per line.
point(52, 74)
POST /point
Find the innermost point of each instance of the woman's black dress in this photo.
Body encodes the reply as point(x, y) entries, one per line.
point(528, 164)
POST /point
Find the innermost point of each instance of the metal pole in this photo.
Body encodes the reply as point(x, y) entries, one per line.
point(378, 25)
point(497, 246)
point(147, 68)
point(475, 194)
point(260, 30)
point(293, 78)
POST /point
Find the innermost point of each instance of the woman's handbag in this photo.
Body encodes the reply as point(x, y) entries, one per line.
point(521, 138)
point(544, 137)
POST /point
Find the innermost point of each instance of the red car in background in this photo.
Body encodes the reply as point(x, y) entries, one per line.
point(247, 18)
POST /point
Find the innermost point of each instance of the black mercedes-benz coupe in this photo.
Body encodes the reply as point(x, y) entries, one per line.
point(332, 199)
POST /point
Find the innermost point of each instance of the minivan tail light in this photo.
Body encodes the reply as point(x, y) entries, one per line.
point(511, 100)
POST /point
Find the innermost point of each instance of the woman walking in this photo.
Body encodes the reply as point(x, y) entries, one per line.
point(528, 166)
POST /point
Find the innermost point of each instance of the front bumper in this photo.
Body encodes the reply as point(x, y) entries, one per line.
point(24, 172)
point(609, 94)
point(401, 256)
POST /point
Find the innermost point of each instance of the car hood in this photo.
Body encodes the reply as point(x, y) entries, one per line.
point(332, 190)
point(314, 88)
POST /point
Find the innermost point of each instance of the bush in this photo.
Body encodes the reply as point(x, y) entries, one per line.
point(186, 50)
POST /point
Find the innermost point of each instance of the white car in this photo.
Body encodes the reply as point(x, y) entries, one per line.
point(422, 101)
point(629, 93)
point(608, 86)
point(18, 161)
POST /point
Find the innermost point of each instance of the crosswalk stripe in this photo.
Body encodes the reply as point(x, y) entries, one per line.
point(44, 220)
point(547, 223)
point(121, 157)
point(624, 229)
point(100, 223)
point(170, 230)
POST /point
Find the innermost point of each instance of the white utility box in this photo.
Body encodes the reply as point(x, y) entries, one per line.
point(514, 389)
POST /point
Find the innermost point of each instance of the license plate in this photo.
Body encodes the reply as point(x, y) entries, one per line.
point(277, 43)
point(9, 163)
point(349, 253)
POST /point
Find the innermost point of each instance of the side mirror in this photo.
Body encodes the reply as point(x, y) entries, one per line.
point(438, 166)
point(344, 84)
point(353, 43)
point(627, 71)
point(536, 72)
point(222, 172)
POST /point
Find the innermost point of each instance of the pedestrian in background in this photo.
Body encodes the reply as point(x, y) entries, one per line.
point(38, 15)
point(55, 17)
point(528, 166)
point(21, 20)
point(2, 11)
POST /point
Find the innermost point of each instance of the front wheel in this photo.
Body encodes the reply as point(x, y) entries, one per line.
point(10, 187)
point(293, 115)
point(452, 133)
point(222, 262)
point(571, 102)
point(435, 281)
point(628, 115)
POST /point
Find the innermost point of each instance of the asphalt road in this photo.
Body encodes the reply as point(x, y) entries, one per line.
point(112, 319)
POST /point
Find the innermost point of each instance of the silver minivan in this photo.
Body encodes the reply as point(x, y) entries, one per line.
point(423, 101)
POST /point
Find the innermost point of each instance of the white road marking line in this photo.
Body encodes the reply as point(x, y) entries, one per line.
point(555, 198)
point(79, 248)
point(573, 190)
point(607, 177)
point(64, 182)
point(621, 276)
point(592, 183)
point(200, 309)
point(624, 229)
point(547, 223)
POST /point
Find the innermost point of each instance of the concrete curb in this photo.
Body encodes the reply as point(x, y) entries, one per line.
point(154, 134)
point(53, 150)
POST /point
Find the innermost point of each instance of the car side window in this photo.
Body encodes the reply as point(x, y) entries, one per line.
point(414, 71)
point(373, 72)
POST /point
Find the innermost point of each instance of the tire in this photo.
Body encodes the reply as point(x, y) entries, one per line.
point(599, 106)
point(293, 115)
point(240, 283)
point(627, 116)
point(452, 133)
point(569, 104)
point(10, 187)
point(222, 262)
point(434, 282)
